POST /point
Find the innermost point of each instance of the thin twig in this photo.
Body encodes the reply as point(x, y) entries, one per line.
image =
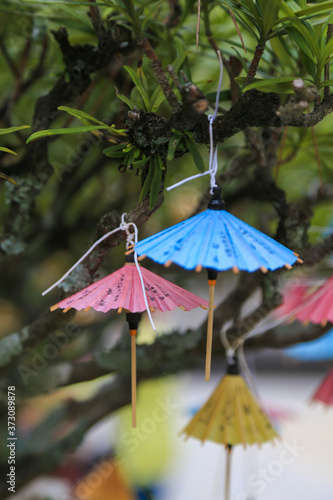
point(156, 64)
point(255, 63)
point(198, 24)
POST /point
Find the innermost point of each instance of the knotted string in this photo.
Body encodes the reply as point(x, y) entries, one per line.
point(213, 151)
point(131, 240)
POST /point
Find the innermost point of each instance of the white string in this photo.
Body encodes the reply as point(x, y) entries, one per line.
point(81, 259)
point(131, 239)
point(213, 151)
point(229, 350)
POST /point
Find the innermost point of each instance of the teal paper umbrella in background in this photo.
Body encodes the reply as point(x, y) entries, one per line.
point(216, 240)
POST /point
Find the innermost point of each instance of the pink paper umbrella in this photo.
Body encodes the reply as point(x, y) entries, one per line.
point(293, 297)
point(324, 393)
point(123, 290)
point(318, 307)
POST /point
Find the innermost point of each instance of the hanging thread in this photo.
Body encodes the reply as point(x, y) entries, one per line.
point(131, 240)
point(213, 150)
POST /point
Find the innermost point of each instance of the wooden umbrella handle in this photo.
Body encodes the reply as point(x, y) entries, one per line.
point(227, 473)
point(211, 284)
point(133, 375)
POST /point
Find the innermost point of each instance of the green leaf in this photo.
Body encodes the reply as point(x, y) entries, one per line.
point(326, 83)
point(130, 157)
point(301, 33)
point(66, 131)
point(7, 178)
point(81, 115)
point(125, 99)
point(173, 143)
point(146, 185)
point(108, 151)
point(9, 130)
point(282, 84)
point(281, 51)
point(117, 154)
point(6, 150)
point(301, 42)
point(315, 9)
point(325, 54)
point(157, 98)
point(141, 163)
point(60, 2)
point(270, 10)
point(151, 12)
point(196, 155)
point(254, 11)
point(139, 86)
point(155, 183)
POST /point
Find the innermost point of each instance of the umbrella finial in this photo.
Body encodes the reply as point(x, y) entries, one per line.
point(216, 202)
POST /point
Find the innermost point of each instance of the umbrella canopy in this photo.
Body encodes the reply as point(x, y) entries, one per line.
point(104, 482)
point(231, 415)
point(216, 239)
point(320, 349)
point(293, 297)
point(122, 290)
point(319, 306)
point(324, 393)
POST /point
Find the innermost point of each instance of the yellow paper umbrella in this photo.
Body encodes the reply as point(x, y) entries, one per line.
point(231, 416)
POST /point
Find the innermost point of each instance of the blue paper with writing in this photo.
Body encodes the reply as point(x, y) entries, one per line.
point(218, 240)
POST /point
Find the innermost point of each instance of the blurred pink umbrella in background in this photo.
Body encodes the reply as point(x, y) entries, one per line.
point(318, 308)
point(293, 296)
point(324, 393)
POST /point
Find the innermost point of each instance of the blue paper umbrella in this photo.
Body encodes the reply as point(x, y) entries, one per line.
point(320, 349)
point(217, 241)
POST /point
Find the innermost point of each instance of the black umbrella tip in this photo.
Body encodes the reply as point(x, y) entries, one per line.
point(133, 320)
point(129, 258)
point(233, 368)
point(216, 202)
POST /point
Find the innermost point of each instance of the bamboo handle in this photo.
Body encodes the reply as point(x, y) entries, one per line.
point(210, 329)
point(227, 474)
point(133, 376)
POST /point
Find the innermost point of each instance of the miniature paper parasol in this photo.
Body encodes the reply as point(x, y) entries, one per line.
point(122, 290)
point(324, 393)
point(319, 306)
point(320, 349)
point(293, 297)
point(104, 482)
point(231, 416)
point(217, 241)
